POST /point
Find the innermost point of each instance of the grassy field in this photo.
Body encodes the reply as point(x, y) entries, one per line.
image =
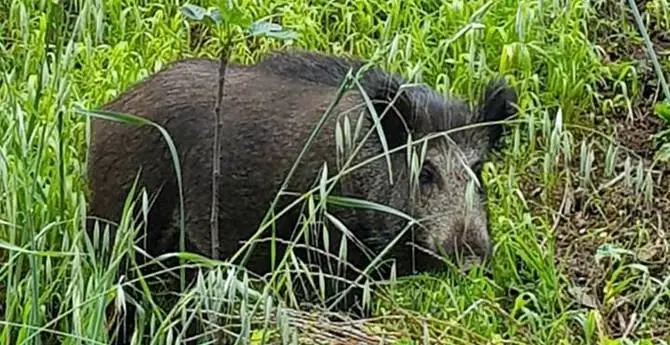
point(579, 197)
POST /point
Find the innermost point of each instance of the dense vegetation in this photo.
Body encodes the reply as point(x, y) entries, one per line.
point(578, 198)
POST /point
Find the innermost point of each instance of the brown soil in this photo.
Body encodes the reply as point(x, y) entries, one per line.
point(612, 213)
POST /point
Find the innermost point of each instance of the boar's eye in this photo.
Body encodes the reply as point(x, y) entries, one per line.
point(427, 174)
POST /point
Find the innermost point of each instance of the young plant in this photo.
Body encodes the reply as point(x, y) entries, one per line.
point(226, 16)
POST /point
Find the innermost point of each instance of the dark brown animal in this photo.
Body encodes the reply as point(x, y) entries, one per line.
point(269, 111)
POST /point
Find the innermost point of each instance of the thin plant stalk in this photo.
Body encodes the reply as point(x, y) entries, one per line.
point(650, 49)
point(216, 157)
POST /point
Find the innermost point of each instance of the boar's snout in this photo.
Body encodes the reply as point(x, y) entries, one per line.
point(471, 240)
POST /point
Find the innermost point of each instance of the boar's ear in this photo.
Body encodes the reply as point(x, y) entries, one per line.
point(394, 106)
point(497, 104)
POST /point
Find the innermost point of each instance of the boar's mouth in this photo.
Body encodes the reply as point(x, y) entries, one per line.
point(418, 260)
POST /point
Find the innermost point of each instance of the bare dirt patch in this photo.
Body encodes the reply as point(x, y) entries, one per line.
point(614, 221)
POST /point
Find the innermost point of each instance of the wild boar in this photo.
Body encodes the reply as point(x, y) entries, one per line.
point(269, 111)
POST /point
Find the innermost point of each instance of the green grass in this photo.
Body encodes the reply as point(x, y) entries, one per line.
point(553, 52)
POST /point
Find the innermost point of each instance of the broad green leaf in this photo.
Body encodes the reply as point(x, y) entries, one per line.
point(200, 14)
point(663, 110)
point(215, 16)
point(268, 29)
point(193, 12)
point(663, 153)
point(232, 15)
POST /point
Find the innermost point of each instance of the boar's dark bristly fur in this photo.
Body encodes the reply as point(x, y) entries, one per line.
point(269, 111)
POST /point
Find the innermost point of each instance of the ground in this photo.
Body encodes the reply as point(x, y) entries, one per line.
point(582, 250)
